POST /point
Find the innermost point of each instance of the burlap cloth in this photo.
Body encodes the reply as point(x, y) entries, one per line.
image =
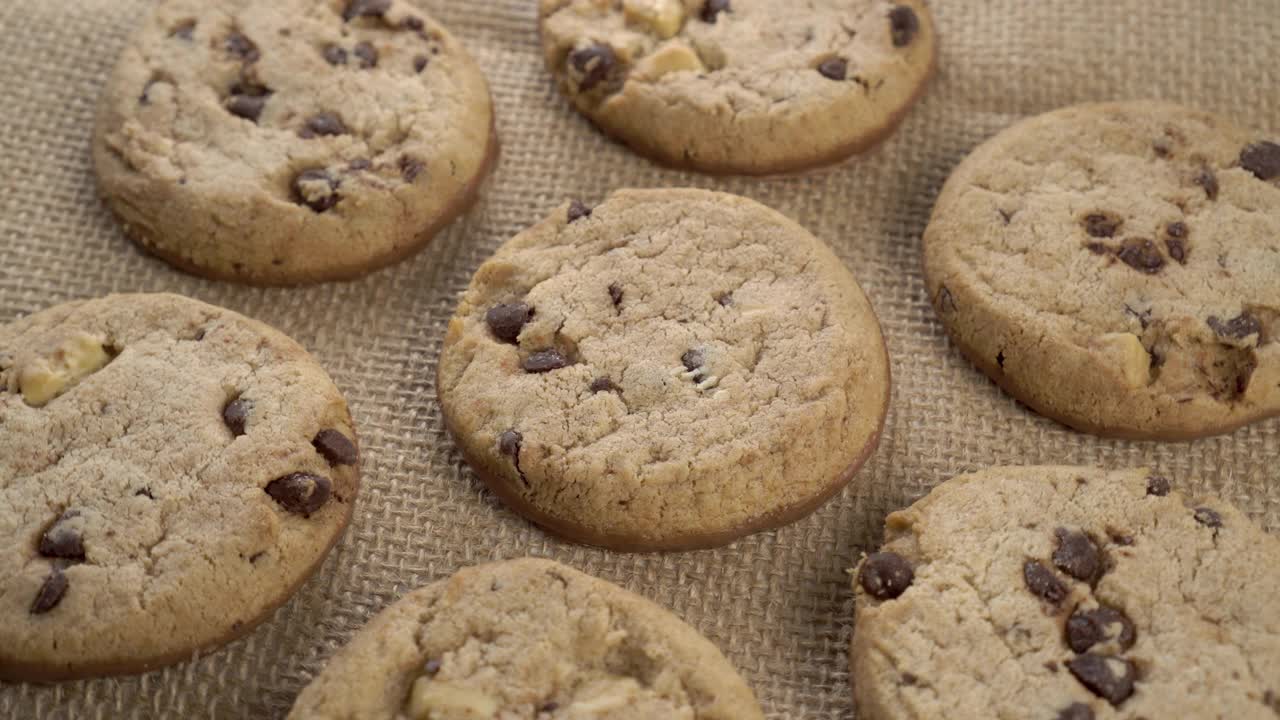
point(777, 603)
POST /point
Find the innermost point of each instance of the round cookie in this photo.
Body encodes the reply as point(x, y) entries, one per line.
point(1115, 267)
point(527, 639)
point(741, 86)
point(669, 370)
point(170, 472)
point(1061, 593)
point(291, 141)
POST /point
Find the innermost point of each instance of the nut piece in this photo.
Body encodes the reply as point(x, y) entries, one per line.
point(432, 699)
point(673, 56)
point(663, 17)
point(44, 379)
point(1124, 352)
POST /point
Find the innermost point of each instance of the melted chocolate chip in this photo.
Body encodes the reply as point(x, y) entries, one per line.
point(1108, 678)
point(248, 107)
point(300, 493)
point(886, 575)
point(834, 68)
point(594, 63)
point(1177, 245)
point(335, 55)
point(1043, 583)
point(336, 448)
point(1158, 486)
point(1087, 628)
point(1239, 327)
point(545, 361)
point(51, 592)
point(1176, 230)
point(712, 9)
point(577, 211)
point(1262, 159)
point(507, 320)
point(1141, 255)
point(509, 443)
point(1077, 555)
point(236, 415)
point(316, 189)
point(365, 8)
point(1208, 517)
point(903, 25)
point(604, 384)
point(367, 54)
point(615, 294)
point(693, 359)
point(410, 168)
point(1076, 711)
point(420, 63)
point(325, 123)
point(61, 540)
point(242, 47)
point(1100, 225)
point(1207, 180)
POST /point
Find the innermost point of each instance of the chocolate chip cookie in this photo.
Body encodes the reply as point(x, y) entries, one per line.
point(669, 369)
point(1060, 593)
point(527, 639)
point(1116, 268)
point(170, 472)
point(292, 141)
point(741, 86)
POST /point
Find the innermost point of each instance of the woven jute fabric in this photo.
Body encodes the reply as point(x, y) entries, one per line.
point(777, 603)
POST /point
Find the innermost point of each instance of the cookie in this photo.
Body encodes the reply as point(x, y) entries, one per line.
point(293, 141)
point(670, 369)
point(741, 86)
point(1061, 593)
point(527, 639)
point(170, 473)
point(1115, 267)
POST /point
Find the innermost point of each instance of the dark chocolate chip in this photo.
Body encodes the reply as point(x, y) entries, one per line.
point(545, 361)
point(725, 300)
point(903, 25)
point(604, 384)
point(414, 23)
point(51, 592)
point(594, 63)
point(909, 679)
point(693, 359)
point(431, 667)
point(420, 63)
point(242, 47)
point(316, 189)
point(507, 320)
point(1239, 327)
point(325, 123)
point(1141, 255)
point(365, 8)
point(1158, 486)
point(1087, 628)
point(1208, 517)
point(335, 55)
point(549, 706)
point(1176, 229)
point(336, 448)
point(885, 575)
point(712, 8)
point(410, 168)
point(577, 211)
point(1043, 583)
point(236, 415)
point(61, 540)
point(1098, 248)
point(1107, 677)
point(1077, 555)
point(1100, 225)
point(367, 54)
point(509, 443)
point(184, 30)
point(615, 294)
point(834, 68)
point(248, 107)
point(1177, 249)
point(1207, 180)
point(1076, 711)
point(300, 493)
point(1262, 159)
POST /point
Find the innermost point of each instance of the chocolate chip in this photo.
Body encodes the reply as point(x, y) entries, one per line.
point(1239, 327)
point(594, 63)
point(909, 679)
point(248, 107)
point(577, 211)
point(1207, 180)
point(1043, 583)
point(713, 8)
point(431, 667)
point(420, 63)
point(615, 294)
point(367, 54)
point(414, 23)
point(885, 575)
point(335, 55)
point(242, 47)
point(1108, 678)
point(1208, 517)
point(693, 359)
point(410, 168)
point(903, 25)
point(507, 320)
point(236, 415)
point(834, 68)
point(549, 706)
point(1087, 628)
point(1177, 249)
point(545, 361)
point(1176, 230)
point(1262, 159)
point(1141, 255)
point(1098, 248)
point(725, 300)
point(604, 384)
point(509, 443)
point(1158, 486)
point(316, 189)
point(61, 540)
point(300, 493)
point(1076, 711)
point(325, 123)
point(50, 593)
point(335, 447)
point(365, 8)
point(1077, 555)
point(1100, 225)
point(184, 30)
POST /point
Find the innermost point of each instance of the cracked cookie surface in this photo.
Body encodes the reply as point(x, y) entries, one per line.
point(1062, 593)
point(292, 141)
point(741, 86)
point(527, 639)
point(669, 369)
point(170, 472)
point(1115, 267)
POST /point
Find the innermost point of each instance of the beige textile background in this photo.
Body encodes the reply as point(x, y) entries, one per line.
point(777, 603)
